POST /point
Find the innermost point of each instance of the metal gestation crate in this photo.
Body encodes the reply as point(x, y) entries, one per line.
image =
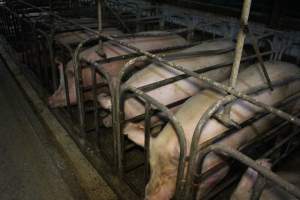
point(37, 32)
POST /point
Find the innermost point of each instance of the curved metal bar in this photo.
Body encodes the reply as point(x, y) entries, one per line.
point(176, 125)
point(111, 86)
point(209, 81)
point(196, 136)
point(230, 152)
point(204, 120)
point(78, 83)
point(66, 83)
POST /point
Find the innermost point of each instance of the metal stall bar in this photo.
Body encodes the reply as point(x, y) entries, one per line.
point(178, 128)
point(32, 26)
point(99, 8)
point(212, 83)
point(230, 152)
point(239, 51)
point(240, 42)
point(203, 121)
point(80, 89)
point(205, 79)
point(155, 85)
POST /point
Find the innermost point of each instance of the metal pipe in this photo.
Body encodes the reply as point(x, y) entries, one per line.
point(238, 52)
point(230, 152)
point(200, 126)
point(178, 130)
point(196, 136)
point(80, 98)
point(99, 7)
point(218, 86)
point(210, 82)
point(240, 42)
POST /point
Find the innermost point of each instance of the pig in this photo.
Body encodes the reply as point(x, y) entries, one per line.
point(173, 92)
point(164, 149)
point(244, 189)
point(58, 99)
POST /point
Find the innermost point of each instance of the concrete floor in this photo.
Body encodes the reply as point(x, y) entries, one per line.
point(28, 169)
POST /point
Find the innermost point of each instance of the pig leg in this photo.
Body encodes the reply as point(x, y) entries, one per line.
point(163, 178)
point(52, 99)
point(244, 189)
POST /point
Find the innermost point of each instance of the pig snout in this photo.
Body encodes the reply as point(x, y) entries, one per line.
point(104, 101)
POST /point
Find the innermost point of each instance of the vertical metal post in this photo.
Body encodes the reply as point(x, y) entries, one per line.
point(116, 114)
point(99, 8)
point(147, 140)
point(51, 56)
point(95, 104)
point(240, 42)
point(238, 51)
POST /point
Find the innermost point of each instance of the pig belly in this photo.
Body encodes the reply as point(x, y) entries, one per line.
point(192, 110)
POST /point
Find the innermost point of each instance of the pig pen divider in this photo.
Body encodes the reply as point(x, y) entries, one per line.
point(229, 90)
point(176, 125)
point(35, 45)
point(127, 69)
point(214, 84)
point(197, 152)
point(117, 119)
point(108, 82)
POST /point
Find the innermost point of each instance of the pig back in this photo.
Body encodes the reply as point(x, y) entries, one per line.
point(112, 49)
point(193, 109)
point(184, 88)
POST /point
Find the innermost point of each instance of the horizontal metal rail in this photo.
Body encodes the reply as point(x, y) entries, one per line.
point(176, 124)
point(194, 149)
point(235, 154)
point(210, 82)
